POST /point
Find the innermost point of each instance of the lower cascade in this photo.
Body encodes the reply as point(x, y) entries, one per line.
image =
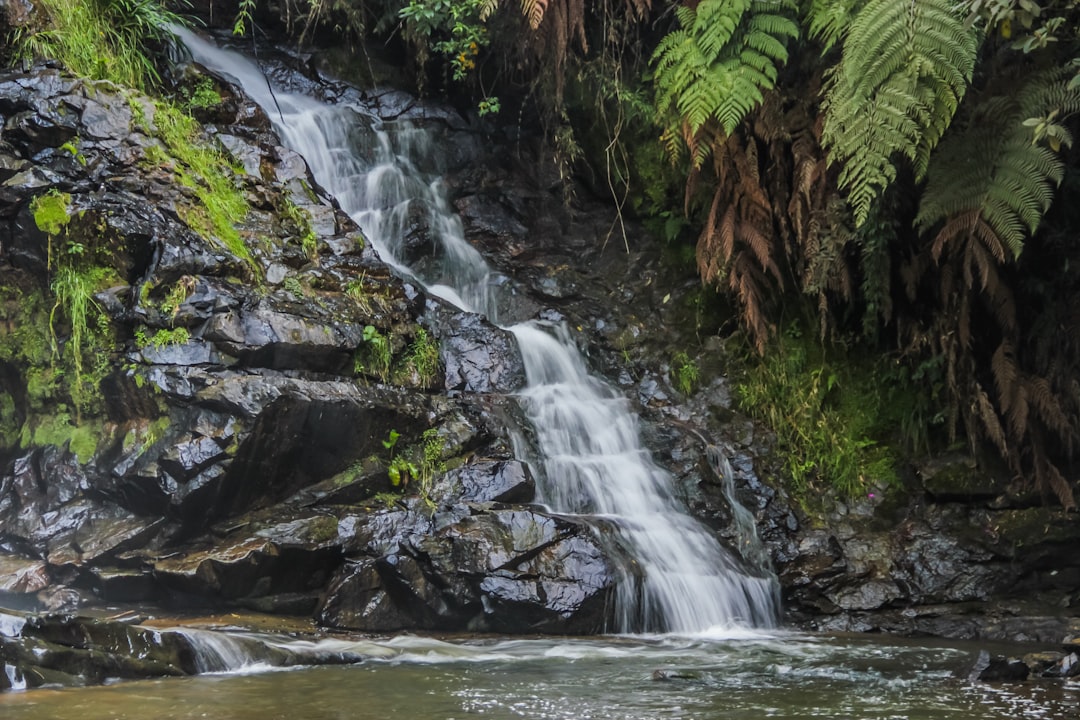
point(589, 459)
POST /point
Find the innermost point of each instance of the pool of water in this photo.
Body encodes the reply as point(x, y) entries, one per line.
point(775, 675)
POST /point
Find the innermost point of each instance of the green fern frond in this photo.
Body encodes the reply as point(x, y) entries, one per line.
point(904, 70)
point(829, 20)
point(715, 68)
point(991, 169)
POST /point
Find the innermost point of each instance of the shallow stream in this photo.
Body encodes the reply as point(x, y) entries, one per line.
point(753, 675)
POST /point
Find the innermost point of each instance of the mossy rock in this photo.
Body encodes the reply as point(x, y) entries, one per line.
point(958, 477)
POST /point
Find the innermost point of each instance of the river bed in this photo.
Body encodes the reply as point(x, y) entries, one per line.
point(751, 675)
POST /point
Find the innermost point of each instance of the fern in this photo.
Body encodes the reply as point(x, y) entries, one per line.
point(716, 66)
point(989, 179)
point(904, 69)
point(828, 20)
point(534, 11)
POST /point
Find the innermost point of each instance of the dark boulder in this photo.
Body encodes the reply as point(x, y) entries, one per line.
point(482, 570)
point(478, 357)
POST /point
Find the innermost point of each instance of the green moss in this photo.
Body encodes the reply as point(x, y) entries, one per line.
point(58, 429)
point(208, 172)
point(9, 422)
point(51, 211)
point(323, 529)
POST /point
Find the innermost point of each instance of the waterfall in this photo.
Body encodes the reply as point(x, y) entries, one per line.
point(592, 461)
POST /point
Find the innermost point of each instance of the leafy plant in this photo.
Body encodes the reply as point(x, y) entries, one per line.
point(715, 67)
point(162, 338)
point(293, 287)
point(375, 355)
point(115, 40)
point(391, 441)
point(203, 95)
point(301, 221)
point(825, 418)
point(422, 358)
point(176, 296)
point(73, 289)
point(904, 70)
point(684, 373)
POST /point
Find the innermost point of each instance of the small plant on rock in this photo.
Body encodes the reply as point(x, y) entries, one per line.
point(684, 373)
point(375, 356)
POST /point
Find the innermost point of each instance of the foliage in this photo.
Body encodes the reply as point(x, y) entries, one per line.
point(177, 294)
point(202, 95)
point(162, 338)
point(375, 355)
point(714, 69)
point(904, 70)
point(74, 290)
point(300, 220)
point(421, 359)
point(991, 179)
point(684, 373)
point(205, 169)
point(115, 40)
point(293, 286)
point(827, 421)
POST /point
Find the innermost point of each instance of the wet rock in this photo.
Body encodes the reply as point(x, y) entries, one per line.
point(289, 557)
point(477, 356)
point(496, 570)
point(125, 585)
point(357, 598)
point(266, 338)
point(507, 481)
point(21, 575)
point(998, 669)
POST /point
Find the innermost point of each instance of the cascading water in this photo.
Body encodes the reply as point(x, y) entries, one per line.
point(592, 460)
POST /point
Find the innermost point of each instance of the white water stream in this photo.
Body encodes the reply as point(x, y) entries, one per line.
point(592, 460)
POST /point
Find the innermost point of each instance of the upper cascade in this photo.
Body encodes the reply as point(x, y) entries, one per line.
point(590, 458)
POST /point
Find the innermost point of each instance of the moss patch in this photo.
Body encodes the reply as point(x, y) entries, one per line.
point(207, 171)
point(58, 429)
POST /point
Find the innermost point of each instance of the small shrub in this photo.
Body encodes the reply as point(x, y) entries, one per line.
point(827, 416)
point(374, 356)
point(422, 358)
point(684, 373)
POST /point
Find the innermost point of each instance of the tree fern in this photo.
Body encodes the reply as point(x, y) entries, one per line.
point(904, 69)
point(715, 67)
point(828, 20)
point(990, 178)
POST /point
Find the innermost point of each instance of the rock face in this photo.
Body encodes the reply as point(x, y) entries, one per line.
point(230, 434)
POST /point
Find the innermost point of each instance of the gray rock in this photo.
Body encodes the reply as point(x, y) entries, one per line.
point(478, 357)
point(508, 481)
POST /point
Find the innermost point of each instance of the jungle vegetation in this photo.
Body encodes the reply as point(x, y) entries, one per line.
point(890, 178)
point(890, 173)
